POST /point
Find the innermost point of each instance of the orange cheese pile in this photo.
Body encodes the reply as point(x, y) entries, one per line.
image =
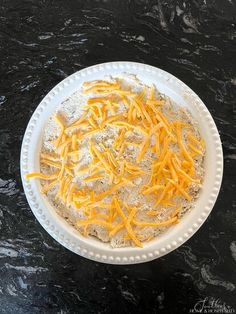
point(171, 174)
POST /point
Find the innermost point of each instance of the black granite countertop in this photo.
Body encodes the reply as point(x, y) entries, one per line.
point(42, 42)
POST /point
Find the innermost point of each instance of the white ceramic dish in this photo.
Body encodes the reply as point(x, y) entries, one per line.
point(176, 235)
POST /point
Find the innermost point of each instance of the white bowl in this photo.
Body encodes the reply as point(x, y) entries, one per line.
point(176, 235)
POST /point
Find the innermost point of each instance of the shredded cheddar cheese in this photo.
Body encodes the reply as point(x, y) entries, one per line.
point(41, 176)
point(150, 153)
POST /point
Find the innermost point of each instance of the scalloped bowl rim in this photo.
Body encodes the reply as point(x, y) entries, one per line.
point(176, 235)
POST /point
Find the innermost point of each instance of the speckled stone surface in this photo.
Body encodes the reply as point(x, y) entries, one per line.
point(42, 42)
